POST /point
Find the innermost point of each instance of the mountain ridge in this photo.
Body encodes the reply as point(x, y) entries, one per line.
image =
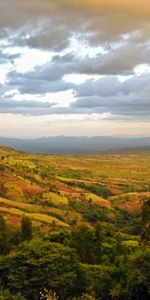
point(76, 145)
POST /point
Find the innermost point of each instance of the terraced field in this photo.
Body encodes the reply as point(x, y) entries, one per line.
point(65, 190)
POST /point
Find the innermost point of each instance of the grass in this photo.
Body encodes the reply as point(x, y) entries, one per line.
point(20, 209)
point(132, 202)
point(43, 186)
point(55, 198)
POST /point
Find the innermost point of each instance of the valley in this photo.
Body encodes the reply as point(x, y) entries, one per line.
point(52, 189)
point(83, 219)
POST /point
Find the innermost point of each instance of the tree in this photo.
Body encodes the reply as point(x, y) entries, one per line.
point(3, 236)
point(139, 275)
point(97, 279)
point(146, 222)
point(83, 240)
point(99, 236)
point(39, 264)
point(6, 295)
point(26, 228)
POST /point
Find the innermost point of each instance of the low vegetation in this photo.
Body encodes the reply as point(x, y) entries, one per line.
point(74, 228)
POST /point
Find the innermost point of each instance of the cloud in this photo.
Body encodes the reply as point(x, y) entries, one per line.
point(26, 107)
point(74, 57)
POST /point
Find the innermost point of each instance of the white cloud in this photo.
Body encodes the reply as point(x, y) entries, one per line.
point(13, 50)
point(26, 61)
point(10, 93)
point(80, 78)
point(62, 99)
point(123, 79)
point(31, 58)
point(4, 71)
point(80, 47)
point(58, 99)
point(142, 69)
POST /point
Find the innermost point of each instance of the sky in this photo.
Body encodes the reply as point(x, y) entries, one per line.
point(74, 67)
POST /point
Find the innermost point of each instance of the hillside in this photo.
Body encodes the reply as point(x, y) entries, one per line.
point(77, 226)
point(69, 190)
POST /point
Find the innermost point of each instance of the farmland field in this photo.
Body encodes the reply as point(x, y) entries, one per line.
point(53, 184)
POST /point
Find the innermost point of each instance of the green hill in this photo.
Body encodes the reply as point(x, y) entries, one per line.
point(72, 189)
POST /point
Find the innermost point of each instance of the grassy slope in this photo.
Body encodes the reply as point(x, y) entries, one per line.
point(46, 187)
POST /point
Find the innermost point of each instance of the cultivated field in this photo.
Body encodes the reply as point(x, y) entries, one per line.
point(66, 190)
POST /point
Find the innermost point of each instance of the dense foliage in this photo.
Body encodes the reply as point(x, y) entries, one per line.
point(97, 261)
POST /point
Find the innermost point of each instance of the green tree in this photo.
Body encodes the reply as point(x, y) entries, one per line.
point(3, 236)
point(6, 295)
point(26, 228)
point(139, 276)
point(146, 222)
point(99, 236)
point(83, 240)
point(39, 264)
point(97, 279)
point(119, 291)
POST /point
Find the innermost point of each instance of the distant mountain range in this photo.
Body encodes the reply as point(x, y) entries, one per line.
point(76, 145)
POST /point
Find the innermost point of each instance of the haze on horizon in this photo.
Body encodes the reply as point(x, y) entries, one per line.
point(70, 67)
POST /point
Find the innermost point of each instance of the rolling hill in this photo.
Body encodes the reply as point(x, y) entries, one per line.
point(75, 222)
point(65, 190)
